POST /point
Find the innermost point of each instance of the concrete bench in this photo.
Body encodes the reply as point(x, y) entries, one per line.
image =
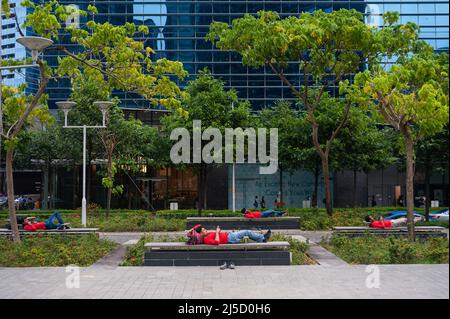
point(244, 223)
point(422, 232)
point(249, 254)
point(65, 232)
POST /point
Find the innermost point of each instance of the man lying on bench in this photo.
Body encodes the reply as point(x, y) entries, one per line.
point(265, 214)
point(220, 238)
point(29, 223)
point(382, 223)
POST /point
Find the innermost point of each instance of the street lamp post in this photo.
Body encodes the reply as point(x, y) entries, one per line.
point(66, 106)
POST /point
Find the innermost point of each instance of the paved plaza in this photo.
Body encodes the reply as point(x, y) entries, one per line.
point(396, 281)
point(332, 278)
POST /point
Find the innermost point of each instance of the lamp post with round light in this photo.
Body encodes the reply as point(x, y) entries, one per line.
point(66, 107)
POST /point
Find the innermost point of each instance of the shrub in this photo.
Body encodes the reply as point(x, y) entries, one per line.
point(297, 248)
point(40, 251)
point(371, 249)
point(135, 254)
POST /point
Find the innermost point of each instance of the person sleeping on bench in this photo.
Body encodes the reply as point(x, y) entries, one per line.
point(221, 238)
point(265, 214)
point(29, 223)
point(382, 223)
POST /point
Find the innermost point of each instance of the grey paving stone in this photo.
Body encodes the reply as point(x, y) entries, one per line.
point(396, 281)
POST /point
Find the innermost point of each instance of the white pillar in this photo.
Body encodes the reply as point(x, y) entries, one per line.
point(234, 187)
point(83, 201)
point(233, 182)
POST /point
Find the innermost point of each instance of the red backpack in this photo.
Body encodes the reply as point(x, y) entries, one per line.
point(194, 238)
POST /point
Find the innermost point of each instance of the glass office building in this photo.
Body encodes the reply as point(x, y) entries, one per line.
point(178, 28)
point(10, 49)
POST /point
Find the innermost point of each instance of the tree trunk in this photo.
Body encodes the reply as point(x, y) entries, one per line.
point(109, 194)
point(10, 193)
point(427, 188)
point(354, 188)
point(316, 185)
point(108, 202)
point(409, 146)
point(326, 180)
point(54, 185)
point(45, 187)
point(324, 156)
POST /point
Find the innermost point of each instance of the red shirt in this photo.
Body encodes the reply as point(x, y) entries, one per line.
point(381, 224)
point(35, 226)
point(210, 239)
point(253, 215)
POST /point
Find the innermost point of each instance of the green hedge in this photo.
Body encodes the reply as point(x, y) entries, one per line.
point(52, 251)
point(144, 221)
point(376, 250)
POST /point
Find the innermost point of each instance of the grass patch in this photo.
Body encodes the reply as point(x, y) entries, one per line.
point(53, 251)
point(135, 254)
point(297, 248)
point(377, 250)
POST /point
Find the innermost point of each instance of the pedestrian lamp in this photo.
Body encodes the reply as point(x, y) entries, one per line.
point(104, 106)
point(66, 107)
point(35, 44)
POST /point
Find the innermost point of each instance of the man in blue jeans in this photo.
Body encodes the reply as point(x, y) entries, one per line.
point(220, 238)
point(30, 224)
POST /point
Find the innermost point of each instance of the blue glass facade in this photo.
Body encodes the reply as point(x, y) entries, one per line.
point(178, 28)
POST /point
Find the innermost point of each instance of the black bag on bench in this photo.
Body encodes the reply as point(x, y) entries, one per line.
point(19, 219)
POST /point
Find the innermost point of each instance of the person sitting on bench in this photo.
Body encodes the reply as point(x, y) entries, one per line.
point(265, 214)
point(220, 238)
point(30, 224)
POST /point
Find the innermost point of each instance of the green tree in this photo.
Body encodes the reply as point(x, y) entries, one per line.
point(327, 48)
point(5, 7)
point(124, 143)
point(217, 108)
point(412, 97)
point(295, 149)
point(107, 55)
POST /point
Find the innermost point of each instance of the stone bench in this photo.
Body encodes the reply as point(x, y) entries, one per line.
point(244, 223)
point(248, 254)
point(65, 232)
point(422, 232)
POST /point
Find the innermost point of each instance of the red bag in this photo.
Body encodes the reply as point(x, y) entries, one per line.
point(194, 238)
